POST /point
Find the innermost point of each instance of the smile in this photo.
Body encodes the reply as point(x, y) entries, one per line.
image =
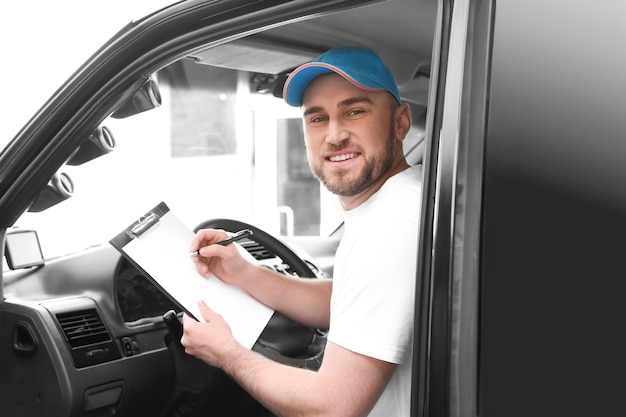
point(342, 157)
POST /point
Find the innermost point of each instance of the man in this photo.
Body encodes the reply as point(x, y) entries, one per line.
point(354, 124)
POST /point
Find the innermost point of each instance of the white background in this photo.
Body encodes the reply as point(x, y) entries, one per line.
point(43, 42)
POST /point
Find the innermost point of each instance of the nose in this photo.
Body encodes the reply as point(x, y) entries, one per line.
point(337, 131)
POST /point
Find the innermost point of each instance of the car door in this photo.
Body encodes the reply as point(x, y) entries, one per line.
point(521, 251)
point(553, 216)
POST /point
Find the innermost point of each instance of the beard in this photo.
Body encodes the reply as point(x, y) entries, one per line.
point(347, 182)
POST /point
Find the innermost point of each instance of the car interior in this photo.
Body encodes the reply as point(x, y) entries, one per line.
point(84, 330)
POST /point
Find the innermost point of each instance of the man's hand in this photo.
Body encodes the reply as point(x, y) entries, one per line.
point(225, 262)
point(208, 340)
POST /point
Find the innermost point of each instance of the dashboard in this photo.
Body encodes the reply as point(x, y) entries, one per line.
point(88, 337)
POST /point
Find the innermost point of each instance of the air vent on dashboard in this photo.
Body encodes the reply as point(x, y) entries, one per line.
point(89, 340)
point(83, 328)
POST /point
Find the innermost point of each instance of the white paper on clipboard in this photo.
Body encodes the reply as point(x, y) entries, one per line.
point(162, 252)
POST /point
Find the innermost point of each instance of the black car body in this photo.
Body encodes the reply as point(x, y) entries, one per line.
point(520, 121)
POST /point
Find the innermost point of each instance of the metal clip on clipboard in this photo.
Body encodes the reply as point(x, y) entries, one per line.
point(137, 228)
point(143, 224)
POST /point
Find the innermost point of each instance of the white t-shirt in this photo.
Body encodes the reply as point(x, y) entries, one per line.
point(373, 299)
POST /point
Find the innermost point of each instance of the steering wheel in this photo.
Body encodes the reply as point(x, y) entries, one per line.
point(283, 339)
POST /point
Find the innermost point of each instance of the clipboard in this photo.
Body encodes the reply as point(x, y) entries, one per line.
point(158, 245)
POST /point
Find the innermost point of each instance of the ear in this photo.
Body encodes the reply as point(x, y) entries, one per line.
point(403, 119)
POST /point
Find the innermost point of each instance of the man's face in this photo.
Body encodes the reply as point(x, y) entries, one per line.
point(350, 135)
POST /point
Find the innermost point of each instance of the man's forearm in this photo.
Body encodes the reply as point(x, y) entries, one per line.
point(272, 384)
point(347, 384)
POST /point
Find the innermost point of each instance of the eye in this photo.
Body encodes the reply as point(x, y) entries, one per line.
point(355, 113)
point(317, 119)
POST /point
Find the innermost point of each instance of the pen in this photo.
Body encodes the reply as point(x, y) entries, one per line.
point(242, 234)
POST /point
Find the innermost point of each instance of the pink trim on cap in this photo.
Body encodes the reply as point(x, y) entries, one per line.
point(335, 70)
point(352, 80)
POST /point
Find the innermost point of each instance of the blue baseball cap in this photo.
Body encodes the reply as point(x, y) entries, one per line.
point(362, 67)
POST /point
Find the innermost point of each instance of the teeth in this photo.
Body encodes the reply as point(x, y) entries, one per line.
point(343, 157)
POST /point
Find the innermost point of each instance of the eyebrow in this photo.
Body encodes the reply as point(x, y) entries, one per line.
point(347, 102)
